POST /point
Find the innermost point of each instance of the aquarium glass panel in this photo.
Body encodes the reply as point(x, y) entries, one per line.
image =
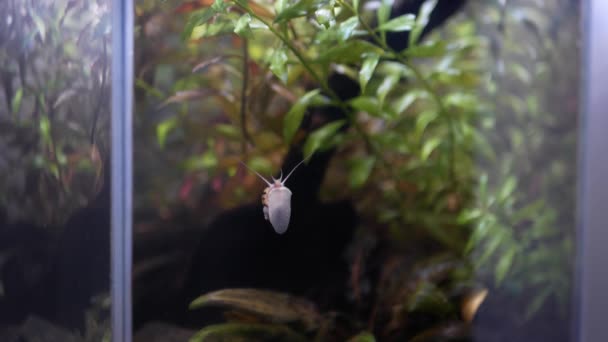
point(55, 62)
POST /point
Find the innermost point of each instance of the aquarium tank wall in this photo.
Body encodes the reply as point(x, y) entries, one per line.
point(312, 170)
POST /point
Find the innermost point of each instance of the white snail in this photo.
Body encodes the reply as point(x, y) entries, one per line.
point(277, 201)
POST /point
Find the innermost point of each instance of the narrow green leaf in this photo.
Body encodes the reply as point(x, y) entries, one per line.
point(298, 9)
point(384, 11)
point(349, 52)
point(480, 232)
point(279, 5)
point(294, 117)
point(278, 63)
point(422, 19)
point(242, 26)
point(422, 122)
point(16, 101)
point(163, 129)
point(347, 28)
point(504, 265)
point(469, 215)
point(383, 14)
point(367, 70)
point(219, 6)
point(246, 331)
point(229, 131)
point(388, 83)
point(363, 337)
point(45, 129)
point(197, 18)
point(325, 17)
point(496, 238)
point(507, 189)
point(39, 22)
point(271, 305)
point(403, 102)
point(356, 6)
point(428, 147)
point(205, 161)
point(367, 104)
point(427, 49)
point(401, 23)
point(539, 300)
point(360, 170)
point(321, 137)
point(217, 27)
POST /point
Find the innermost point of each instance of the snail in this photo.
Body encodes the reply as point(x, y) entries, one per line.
point(277, 200)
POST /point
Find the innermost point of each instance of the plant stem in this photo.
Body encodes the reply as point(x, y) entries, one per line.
point(323, 83)
point(305, 63)
point(245, 85)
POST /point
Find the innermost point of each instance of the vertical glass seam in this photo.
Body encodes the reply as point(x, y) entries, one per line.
point(121, 230)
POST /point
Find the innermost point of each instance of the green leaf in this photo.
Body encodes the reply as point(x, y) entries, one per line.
point(45, 129)
point(261, 165)
point(427, 49)
point(428, 147)
point(356, 6)
point(427, 297)
point(219, 6)
point(521, 73)
point(16, 101)
point(242, 26)
point(163, 129)
point(279, 5)
point(383, 14)
point(299, 9)
point(461, 100)
point(507, 189)
point(384, 11)
point(278, 64)
point(197, 18)
point(347, 27)
point(422, 122)
point(246, 332)
point(363, 337)
point(537, 302)
point(401, 23)
point(469, 215)
point(229, 131)
point(360, 170)
point(422, 19)
point(403, 102)
point(321, 137)
point(496, 238)
point(293, 118)
point(215, 28)
point(270, 305)
point(367, 104)
point(205, 161)
point(39, 22)
point(325, 17)
point(388, 83)
point(367, 70)
point(349, 52)
point(504, 265)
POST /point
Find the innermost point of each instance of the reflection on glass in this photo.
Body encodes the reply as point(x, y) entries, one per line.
point(437, 198)
point(54, 184)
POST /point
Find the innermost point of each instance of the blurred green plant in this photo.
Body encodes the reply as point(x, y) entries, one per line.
point(54, 107)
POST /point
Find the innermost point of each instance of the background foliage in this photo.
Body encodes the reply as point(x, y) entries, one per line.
point(54, 107)
point(466, 139)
